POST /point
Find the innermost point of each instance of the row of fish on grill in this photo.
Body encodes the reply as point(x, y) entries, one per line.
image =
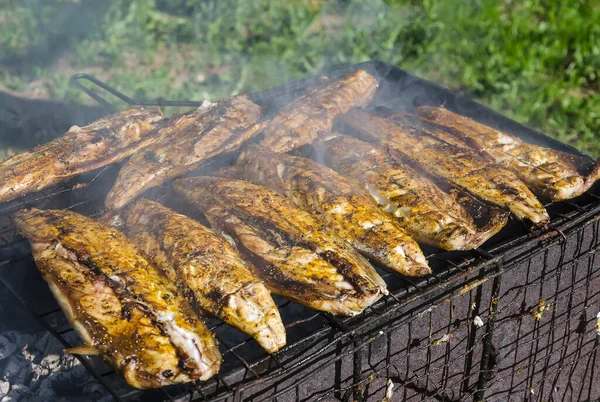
point(136, 283)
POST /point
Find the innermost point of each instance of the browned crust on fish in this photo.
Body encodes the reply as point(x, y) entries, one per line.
point(550, 174)
point(312, 113)
point(433, 211)
point(78, 253)
point(208, 268)
point(294, 254)
point(80, 150)
point(335, 201)
point(415, 143)
point(184, 144)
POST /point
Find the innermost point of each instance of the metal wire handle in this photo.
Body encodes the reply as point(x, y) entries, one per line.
point(75, 80)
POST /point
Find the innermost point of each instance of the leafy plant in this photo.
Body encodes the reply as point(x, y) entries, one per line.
point(534, 60)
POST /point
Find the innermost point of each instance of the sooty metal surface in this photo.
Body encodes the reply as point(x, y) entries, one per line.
point(514, 320)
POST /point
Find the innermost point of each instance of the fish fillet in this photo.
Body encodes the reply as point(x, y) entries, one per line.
point(80, 150)
point(413, 141)
point(333, 200)
point(123, 308)
point(184, 144)
point(293, 253)
point(205, 265)
point(301, 121)
point(431, 215)
point(550, 174)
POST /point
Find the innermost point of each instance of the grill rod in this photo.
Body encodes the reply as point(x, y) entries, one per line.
point(59, 337)
point(75, 80)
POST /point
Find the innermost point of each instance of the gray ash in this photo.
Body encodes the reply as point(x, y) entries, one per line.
point(33, 368)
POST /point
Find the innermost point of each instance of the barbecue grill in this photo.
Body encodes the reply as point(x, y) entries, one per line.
point(515, 319)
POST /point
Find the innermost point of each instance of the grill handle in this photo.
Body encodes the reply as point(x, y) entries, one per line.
point(76, 78)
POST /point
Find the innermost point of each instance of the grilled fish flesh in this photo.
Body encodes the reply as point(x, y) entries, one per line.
point(207, 267)
point(184, 145)
point(301, 121)
point(80, 150)
point(412, 140)
point(343, 208)
point(293, 253)
point(550, 174)
point(118, 302)
point(429, 214)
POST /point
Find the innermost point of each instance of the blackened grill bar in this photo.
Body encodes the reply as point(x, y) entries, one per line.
point(422, 340)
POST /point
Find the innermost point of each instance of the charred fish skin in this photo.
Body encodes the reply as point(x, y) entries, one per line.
point(345, 210)
point(488, 219)
point(430, 214)
point(294, 254)
point(206, 265)
point(446, 134)
point(110, 256)
point(461, 166)
point(313, 113)
point(80, 150)
point(184, 144)
point(148, 164)
point(550, 174)
point(133, 345)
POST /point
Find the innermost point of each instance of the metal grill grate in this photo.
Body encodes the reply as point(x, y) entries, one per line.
point(421, 338)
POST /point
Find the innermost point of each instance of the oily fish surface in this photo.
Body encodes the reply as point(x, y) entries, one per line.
point(461, 166)
point(205, 265)
point(304, 119)
point(550, 174)
point(344, 209)
point(77, 253)
point(429, 214)
point(185, 143)
point(294, 254)
point(80, 150)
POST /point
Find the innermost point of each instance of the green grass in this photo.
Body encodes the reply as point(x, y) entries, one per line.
point(536, 61)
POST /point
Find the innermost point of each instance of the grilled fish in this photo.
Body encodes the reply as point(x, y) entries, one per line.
point(80, 150)
point(206, 266)
point(413, 141)
point(293, 253)
point(346, 211)
point(548, 173)
point(118, 302)
point(429, 214)
point(301, 121)
point(184, 145)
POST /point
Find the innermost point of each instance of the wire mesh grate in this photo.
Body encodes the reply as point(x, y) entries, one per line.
point(419, 342)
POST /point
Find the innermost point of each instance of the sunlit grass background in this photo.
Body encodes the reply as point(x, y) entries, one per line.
point(536, 61)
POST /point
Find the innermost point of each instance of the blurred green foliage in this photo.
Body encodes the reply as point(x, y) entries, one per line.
point(535, 60)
